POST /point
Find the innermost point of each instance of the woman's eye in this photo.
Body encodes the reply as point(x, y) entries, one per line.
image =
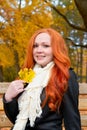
point(46, 45)
point(34, 46)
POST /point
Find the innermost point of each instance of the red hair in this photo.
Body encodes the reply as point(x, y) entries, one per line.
point(60, 73)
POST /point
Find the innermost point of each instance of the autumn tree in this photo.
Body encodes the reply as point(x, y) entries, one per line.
point(18, 22)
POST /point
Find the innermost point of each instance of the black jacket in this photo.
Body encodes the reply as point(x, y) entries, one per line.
point(51, 120)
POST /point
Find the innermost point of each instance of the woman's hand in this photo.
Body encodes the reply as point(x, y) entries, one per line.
point(15, 88)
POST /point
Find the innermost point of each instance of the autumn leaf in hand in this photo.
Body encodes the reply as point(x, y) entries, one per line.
point(26, 74)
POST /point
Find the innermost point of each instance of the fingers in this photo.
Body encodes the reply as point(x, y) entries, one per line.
point(15, 88)
point(17, 84)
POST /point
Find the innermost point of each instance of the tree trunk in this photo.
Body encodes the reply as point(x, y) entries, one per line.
point(1, 73)
point(82, 7)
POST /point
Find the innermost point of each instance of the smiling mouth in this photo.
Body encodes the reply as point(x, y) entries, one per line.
point(40, 57)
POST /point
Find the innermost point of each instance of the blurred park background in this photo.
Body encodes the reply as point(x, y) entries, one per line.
point(19, 19)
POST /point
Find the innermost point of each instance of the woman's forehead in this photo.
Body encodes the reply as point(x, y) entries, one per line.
point(45, 37)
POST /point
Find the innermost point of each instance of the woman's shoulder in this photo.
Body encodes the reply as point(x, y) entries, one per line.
point(73, 73)
point(73, 85)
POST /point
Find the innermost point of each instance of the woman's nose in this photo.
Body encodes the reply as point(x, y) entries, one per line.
point(39, 49)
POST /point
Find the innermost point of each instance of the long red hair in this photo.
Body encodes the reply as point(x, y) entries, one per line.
point(57, 85)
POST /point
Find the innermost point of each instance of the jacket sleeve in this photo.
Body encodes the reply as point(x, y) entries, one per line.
point(11, 109)
point(70, 111)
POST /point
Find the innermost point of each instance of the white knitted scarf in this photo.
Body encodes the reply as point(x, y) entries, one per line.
point(29, 102)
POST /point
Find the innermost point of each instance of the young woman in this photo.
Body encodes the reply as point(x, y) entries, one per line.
point(52, 96)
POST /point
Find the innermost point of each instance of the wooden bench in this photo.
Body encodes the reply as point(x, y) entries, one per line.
point(5, 124)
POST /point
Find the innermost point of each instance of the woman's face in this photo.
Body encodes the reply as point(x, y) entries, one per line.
point(42, 50)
